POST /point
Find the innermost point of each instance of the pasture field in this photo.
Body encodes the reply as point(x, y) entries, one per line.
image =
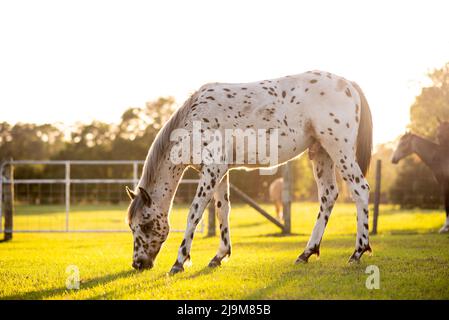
point(412, 257)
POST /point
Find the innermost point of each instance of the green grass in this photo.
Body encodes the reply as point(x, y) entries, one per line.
point(412, 257)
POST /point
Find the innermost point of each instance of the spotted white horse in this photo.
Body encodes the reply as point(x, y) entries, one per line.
point(316, 110)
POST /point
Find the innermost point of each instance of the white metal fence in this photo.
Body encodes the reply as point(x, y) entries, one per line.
point(69, 183)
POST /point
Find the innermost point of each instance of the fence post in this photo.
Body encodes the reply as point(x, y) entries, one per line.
point(2, 165)
point(9, 203)
point(286, 198)
point(377, 195)
point(211, 226)
point(67, 194)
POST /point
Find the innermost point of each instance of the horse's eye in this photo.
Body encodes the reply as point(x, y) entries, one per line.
point(146, 228)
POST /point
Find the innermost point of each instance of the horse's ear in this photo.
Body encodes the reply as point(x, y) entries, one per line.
point(131, 194)
point(146, 197)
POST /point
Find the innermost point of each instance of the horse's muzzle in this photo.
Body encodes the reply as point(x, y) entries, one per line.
point(141, 264)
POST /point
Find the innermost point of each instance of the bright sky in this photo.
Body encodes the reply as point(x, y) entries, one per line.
point(68, 61)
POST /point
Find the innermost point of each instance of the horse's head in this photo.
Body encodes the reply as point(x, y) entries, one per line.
point(403, 149)
point(149, 226)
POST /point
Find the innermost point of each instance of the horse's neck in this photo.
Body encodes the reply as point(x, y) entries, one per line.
point(166, 183)
point(425, 149)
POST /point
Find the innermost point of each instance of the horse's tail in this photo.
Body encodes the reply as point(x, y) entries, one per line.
point(365, 133)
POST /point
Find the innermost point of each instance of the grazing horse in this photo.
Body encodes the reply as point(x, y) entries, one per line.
point(314, 109)
point(275, 192)
point(435, 156)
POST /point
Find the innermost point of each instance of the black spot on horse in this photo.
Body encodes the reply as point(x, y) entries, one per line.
point(348, 92)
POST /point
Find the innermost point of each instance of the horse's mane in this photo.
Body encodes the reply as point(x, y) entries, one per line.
point(162, 143)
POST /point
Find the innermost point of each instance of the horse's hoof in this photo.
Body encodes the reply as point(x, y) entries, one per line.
point(214, 263)
point(302, 259)
point(444, 229)
point(176, 269)
point(353, 259)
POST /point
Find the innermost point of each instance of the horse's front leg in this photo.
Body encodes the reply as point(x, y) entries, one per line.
point(210, 178)
point(222, 207)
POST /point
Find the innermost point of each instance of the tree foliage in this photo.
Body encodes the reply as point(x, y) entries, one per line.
point(432, 105)
point(414, 185)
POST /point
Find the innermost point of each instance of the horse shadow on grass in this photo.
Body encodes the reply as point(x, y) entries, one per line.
point(91, 283)
point(202, 272)
point(99, 281)
point(274, 289)
point(248, 225)
point(270, 288)
point(280, 235)
point(274, 235)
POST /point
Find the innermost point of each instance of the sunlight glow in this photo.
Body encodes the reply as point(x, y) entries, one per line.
point(84, 60)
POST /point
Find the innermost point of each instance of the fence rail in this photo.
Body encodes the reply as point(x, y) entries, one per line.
point(68, 181)
point(9, 181)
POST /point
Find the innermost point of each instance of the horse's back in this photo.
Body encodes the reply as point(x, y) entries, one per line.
point(303, 95)
point(303, 108)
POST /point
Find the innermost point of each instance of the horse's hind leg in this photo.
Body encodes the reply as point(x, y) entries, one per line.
point(359, 188)
point(278, 208)
point(345, 162)
point(323, 170)
point(223, 207)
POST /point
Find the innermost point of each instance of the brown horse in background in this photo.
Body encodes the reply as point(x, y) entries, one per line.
point(275, 192)
point(434, 155)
